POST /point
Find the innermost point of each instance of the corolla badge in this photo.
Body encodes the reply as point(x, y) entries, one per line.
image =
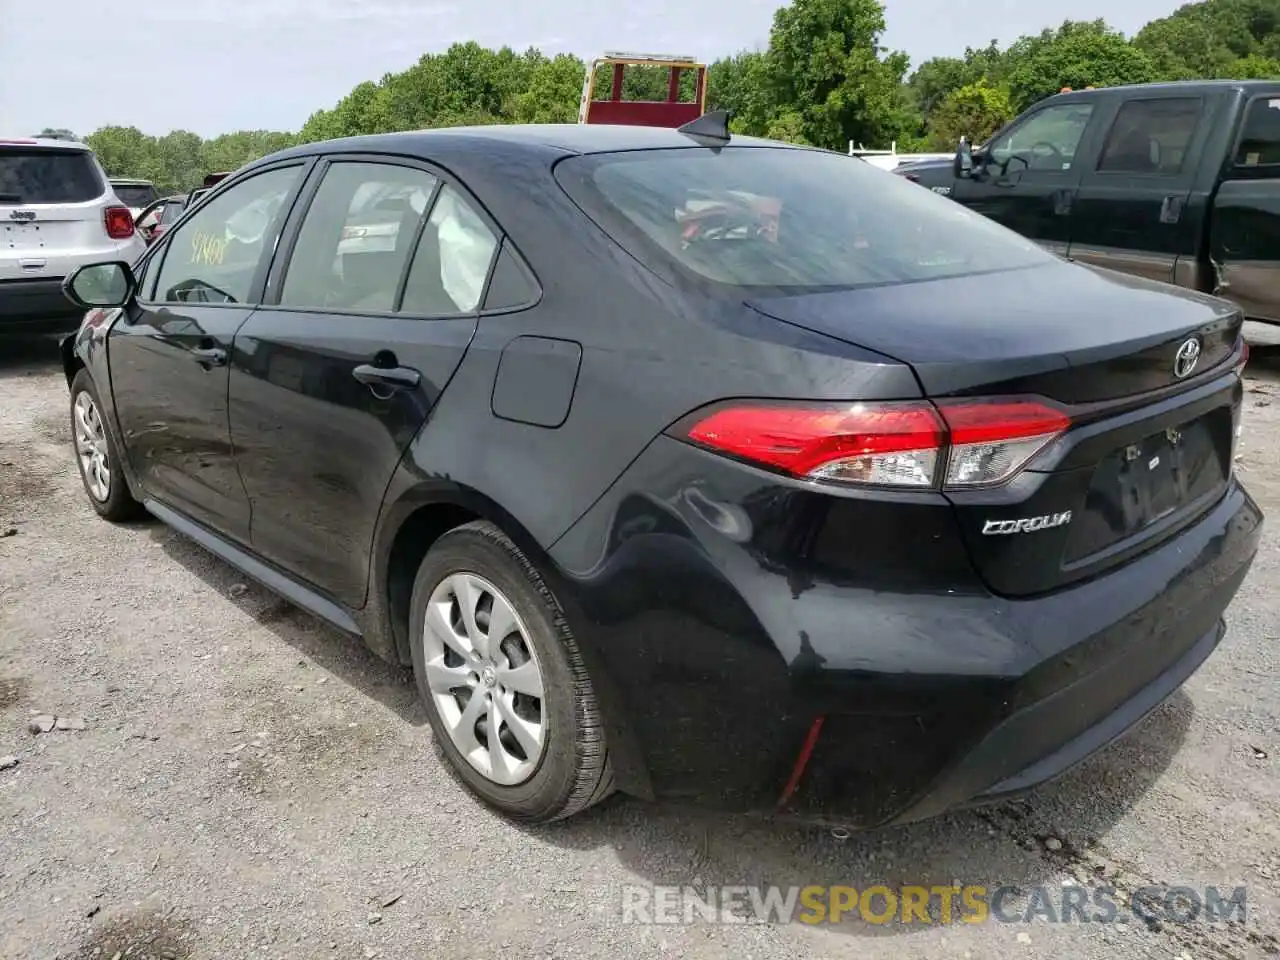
point(1185, 360)
point(1025, 524)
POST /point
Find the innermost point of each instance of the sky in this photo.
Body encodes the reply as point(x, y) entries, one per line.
point(214, 66)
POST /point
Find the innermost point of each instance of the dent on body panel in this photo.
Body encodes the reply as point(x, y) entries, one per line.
point(1245, 246)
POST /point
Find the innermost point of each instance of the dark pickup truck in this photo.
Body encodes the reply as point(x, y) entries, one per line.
point(1179, 182)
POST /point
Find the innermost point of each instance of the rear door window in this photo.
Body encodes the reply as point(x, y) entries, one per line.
point(135, 195)
point(786, 220)
point(171, 211)
point(451, 263)
point(1151, 136)
point(358, 234)
point(1260, 137)
point(31, 175)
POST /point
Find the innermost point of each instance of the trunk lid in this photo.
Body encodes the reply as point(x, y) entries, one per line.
point(1069, 332)
point(1150, 447)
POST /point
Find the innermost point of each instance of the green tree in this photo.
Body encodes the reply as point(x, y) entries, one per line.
point(554, 92)
point(827, 66)
point(57, 133)
point(1255, 67)
point(1077, 54)
point(824, 79)
point(975, 111)
point(740, 85)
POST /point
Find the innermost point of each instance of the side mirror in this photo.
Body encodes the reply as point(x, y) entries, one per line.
point(100, 285)
point(963, 165)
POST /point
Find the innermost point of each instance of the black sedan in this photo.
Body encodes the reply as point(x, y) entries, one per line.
point(704, 469)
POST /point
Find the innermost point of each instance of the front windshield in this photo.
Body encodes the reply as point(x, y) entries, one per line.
point(785, 219)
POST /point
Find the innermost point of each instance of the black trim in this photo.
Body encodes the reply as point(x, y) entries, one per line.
point(508, 248)
point(398, 300)
point(272, 579)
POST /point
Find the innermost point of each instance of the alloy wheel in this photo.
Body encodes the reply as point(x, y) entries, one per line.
point(484, 677)
point(91, 448)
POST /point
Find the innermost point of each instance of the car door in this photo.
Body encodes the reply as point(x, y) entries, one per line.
point(169, 351)
point(369, 312)
point(1028, 174)
point(1132, 211)
point(1244, 236)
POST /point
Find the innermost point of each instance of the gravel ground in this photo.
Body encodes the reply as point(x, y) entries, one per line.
point(248, 783)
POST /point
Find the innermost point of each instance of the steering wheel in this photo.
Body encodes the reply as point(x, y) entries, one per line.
point(1051, 150)
point(201, 286)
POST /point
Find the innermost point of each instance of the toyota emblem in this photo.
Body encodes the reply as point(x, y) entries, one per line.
point(1185, 360)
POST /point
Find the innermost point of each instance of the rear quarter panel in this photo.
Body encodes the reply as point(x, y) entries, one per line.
point(649, 355)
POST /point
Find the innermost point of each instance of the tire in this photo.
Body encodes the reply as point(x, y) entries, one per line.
point(112, 501)
point(572, 771)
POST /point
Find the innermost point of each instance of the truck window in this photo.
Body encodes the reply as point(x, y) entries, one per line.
point(1260, 139)
point(1151, 136)
point(1047, 140)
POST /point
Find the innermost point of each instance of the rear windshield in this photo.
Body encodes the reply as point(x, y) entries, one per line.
point(132, 195)
point(786, 220)
point(33, 175)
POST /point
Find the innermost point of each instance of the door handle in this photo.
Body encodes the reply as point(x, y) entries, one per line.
point(209, 356)
point(1171, 209)
point(397, 378)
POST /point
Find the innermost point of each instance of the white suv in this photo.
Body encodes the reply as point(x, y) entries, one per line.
point(57, 212)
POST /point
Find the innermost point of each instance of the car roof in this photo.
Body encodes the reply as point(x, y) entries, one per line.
point(564, 139)
point(42, 142)
point(1179, 86)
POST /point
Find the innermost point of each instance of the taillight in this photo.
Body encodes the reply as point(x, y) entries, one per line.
point(119, 222)
point(991, 440)
point(914, 444)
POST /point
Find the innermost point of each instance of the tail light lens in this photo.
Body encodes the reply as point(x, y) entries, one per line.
point(119, 222)
point(912, 444)
point(991, 440)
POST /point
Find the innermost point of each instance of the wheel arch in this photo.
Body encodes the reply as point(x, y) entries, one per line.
point(413, 519)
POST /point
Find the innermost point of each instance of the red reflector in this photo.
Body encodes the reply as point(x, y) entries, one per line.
point(995, 421)
point(804, 439)
point(802, 761)
point(1244, 358)
point(119, 222)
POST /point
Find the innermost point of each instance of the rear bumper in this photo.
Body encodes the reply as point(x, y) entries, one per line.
point(35, 306)
point(721, 645)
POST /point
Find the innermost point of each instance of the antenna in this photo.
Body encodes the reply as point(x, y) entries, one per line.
point(709, 126)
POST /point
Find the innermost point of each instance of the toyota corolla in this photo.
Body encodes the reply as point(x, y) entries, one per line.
point(840, 500)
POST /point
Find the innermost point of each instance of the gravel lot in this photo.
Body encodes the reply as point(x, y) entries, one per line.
point(248, 783)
